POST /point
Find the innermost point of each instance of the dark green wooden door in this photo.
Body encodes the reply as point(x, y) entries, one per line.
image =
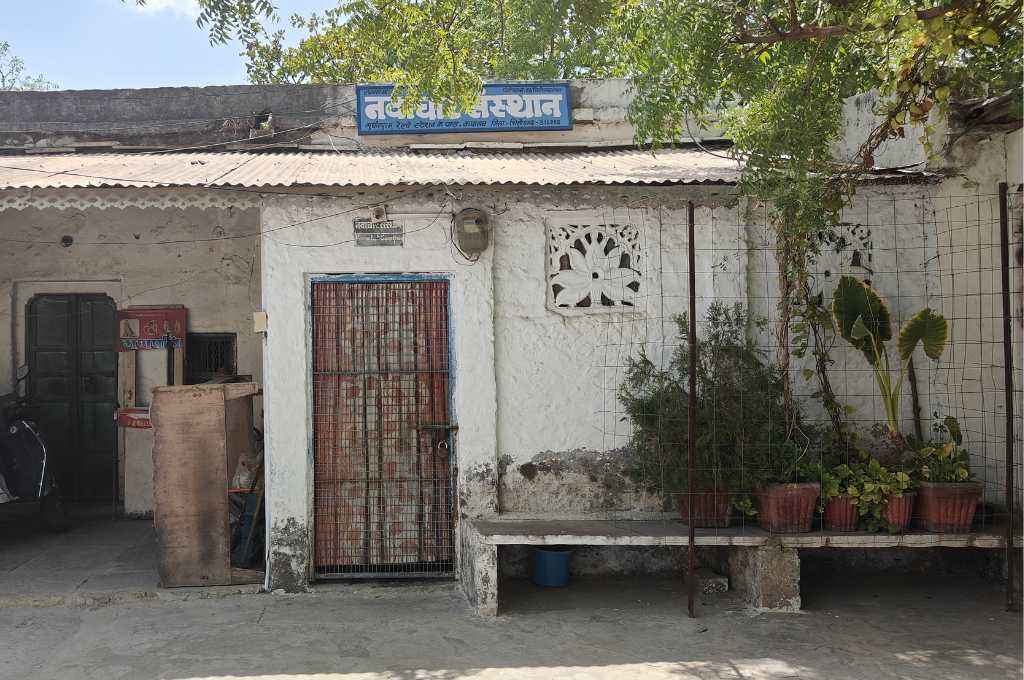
point(73, 386)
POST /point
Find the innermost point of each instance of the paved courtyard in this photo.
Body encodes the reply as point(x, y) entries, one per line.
point(873, 628)
point(98, 557)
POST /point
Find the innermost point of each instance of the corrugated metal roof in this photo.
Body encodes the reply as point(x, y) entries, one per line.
point(363, 168)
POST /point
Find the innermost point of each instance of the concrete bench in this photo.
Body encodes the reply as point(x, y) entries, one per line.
point(763, 568)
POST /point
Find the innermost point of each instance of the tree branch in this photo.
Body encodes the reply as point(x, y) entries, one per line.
point(798, 32)
point(794, 20)
point(802, 33)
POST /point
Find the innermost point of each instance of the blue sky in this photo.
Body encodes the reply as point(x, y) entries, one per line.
point(85, 44)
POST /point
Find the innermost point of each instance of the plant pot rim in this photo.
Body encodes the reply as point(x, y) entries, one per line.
point(952, 485)
point(793, 485)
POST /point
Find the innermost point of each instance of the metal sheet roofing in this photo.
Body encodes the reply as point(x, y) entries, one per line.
point(363, 168)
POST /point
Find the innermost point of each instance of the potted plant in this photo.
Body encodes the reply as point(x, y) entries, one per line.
point(788, 496)
point(883, 498)
point(739, 418)
point(839, 489)
point(862, 318)
point(948, 497)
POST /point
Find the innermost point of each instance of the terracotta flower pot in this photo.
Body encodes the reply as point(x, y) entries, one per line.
point(711, 509)
point(840, 514)
point(948, 507)
point(788, 508)
point(899, 510)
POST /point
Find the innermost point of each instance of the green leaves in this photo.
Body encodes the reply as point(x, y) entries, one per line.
point(13, 76)
point(861, 317)
point(927, 328)
point(952, 426)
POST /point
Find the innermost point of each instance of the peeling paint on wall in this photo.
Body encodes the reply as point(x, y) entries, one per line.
point(575, 482)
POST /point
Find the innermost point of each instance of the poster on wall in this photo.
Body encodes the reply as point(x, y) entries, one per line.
point(135, 418)
point(142, 328)
point(511, 107)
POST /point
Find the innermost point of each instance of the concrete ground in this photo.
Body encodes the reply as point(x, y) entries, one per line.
point(947, 627)
point(98, 556)
point(99, 560)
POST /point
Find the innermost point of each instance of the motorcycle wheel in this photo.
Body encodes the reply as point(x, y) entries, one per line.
point(54, 513)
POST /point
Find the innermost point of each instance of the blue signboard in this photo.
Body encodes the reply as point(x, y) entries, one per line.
point(527, 107)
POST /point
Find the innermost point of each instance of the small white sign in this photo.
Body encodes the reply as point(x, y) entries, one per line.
point(382, 233)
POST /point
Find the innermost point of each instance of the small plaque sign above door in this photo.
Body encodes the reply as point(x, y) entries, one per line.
point(380, 233)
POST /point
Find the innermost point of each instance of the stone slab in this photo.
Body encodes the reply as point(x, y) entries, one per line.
point(668, 532)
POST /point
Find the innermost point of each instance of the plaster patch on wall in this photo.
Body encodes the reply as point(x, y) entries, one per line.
point(477, 497)
point(288, 556)
point(574, 482)
point(593, 267)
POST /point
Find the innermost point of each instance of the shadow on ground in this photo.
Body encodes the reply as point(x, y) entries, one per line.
point(934, 628)
point(98, 554)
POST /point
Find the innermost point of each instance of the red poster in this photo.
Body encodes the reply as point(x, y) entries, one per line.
point(151, 328)
point(135, 418)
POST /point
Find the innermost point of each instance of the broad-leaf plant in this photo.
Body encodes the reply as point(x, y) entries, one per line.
point(862, 318)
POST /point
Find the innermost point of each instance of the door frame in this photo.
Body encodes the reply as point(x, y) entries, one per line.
point(22, 291)
point(403, 277)
point(27, 326)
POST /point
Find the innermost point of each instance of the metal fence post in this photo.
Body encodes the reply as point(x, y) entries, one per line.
point(691, 419)
point(1012, 596)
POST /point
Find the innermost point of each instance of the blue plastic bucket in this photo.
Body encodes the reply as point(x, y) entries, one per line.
point(551, 567)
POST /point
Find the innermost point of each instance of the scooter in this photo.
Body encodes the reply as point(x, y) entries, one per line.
point(25, 474)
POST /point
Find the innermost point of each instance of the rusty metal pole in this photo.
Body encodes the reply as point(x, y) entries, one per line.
point(1012, 596)
point(691, 420)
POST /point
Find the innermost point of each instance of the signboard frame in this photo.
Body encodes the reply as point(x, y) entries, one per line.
point(378, 233)
point(477, 121)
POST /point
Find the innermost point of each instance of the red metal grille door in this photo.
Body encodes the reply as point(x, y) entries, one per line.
point(382, 463)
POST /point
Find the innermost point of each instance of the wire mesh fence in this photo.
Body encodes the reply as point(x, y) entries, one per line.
point(792, 427)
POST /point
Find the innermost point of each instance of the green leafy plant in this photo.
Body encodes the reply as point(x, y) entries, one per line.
point(837, 481)
point(862, 318)
point(741, 430)
point(877, 484)
point(944, 461)
point(869, 484)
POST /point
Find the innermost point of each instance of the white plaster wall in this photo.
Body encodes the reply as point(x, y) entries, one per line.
point(561, 432)
point(891, 227)
point(290, 257)
point(859, 120)
point(218, 280)
point(967, 216)
point(937, 245)
point(529, 381)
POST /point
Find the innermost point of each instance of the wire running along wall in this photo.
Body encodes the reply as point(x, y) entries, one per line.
point(917, 246)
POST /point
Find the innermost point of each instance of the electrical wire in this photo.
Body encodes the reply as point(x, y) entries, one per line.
point(353, 240)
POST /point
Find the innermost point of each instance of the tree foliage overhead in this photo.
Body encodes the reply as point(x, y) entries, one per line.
point(772, 74)
point(13, 75)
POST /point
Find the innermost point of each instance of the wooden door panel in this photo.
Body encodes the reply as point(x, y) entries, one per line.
point(73, 387)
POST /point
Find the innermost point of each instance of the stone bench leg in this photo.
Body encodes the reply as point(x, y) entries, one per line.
point(767, 576)
point(478, 572)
